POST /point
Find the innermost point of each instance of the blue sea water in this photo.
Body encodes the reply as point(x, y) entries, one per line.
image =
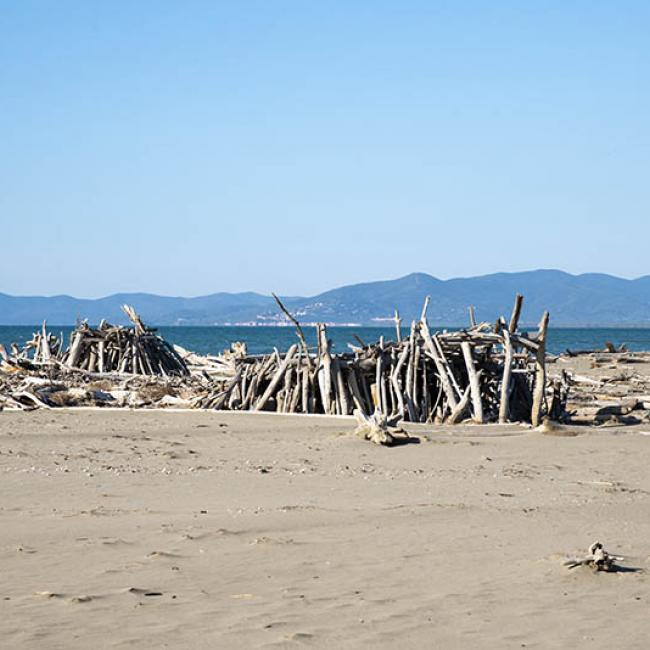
point(212, 340)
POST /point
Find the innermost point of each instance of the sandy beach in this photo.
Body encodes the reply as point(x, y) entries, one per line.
point(154, 529)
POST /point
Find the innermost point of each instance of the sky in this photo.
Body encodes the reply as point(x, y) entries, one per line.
point(185, 148)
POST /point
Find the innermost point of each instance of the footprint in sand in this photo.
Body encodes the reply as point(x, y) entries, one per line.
point(272, 540)
point(162, 554)
point(114, 541)
point(137, 591)
point(299, 636)
point(47, 594)
point(80, 599)
point(219, 532)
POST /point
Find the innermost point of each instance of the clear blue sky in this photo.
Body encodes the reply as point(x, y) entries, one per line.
point(185, 148)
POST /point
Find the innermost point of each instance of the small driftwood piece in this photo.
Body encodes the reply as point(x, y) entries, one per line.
point(377, 428)
point(597, 558)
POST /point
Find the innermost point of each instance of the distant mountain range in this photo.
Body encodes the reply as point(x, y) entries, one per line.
point(590, 299)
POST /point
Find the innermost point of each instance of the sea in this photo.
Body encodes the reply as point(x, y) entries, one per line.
point(262, 340)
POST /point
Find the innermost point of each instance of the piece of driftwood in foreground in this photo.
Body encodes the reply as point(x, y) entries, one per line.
point(379, 429)
point(597, 558)
point(486, 373)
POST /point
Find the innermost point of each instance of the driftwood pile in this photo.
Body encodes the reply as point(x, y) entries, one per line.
point(136, 350)
point(104, 366)
point(604, 388)
point(212, 367)
point(56, 387)
point(486, 373)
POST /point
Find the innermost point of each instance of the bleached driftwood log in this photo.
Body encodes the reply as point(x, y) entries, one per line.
point(378, 428)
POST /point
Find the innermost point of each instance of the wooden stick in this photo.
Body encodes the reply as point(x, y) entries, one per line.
point(45, 345)
point(472, 316)
point(305, 401)
point(460, 408)
point(356, 393)
point(325, 370)
point(446, 365)
point(279, 374)
point(477, 404)
point(342, 390)
point(540, 372)
point(442, 372)
point(423, 315)
point(505, 382)
point(516, 312)
point(395, 380)
point(299, 331)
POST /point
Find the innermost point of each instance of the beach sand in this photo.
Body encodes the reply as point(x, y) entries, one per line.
point(155, 529)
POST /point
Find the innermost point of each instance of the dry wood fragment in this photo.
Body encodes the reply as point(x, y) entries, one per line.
point(475, 388)
point(597, 558)
point(505, 381)
point(375, 427)
point(540, 371)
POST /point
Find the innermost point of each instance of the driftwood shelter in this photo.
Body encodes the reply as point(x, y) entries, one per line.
point(108, 349)
point(487, 372)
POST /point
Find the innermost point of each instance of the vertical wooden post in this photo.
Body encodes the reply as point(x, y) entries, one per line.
point(477, 404)
point(516, 312)
point(540, 371)
point(45, 344)
point(398, 326)
point(507, 374)
point(378, 393)
point(395, 380)
point(325, 370)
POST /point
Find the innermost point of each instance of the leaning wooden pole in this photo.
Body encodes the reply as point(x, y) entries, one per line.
point(442, 372)
point(299, 331)
point(279, 374)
